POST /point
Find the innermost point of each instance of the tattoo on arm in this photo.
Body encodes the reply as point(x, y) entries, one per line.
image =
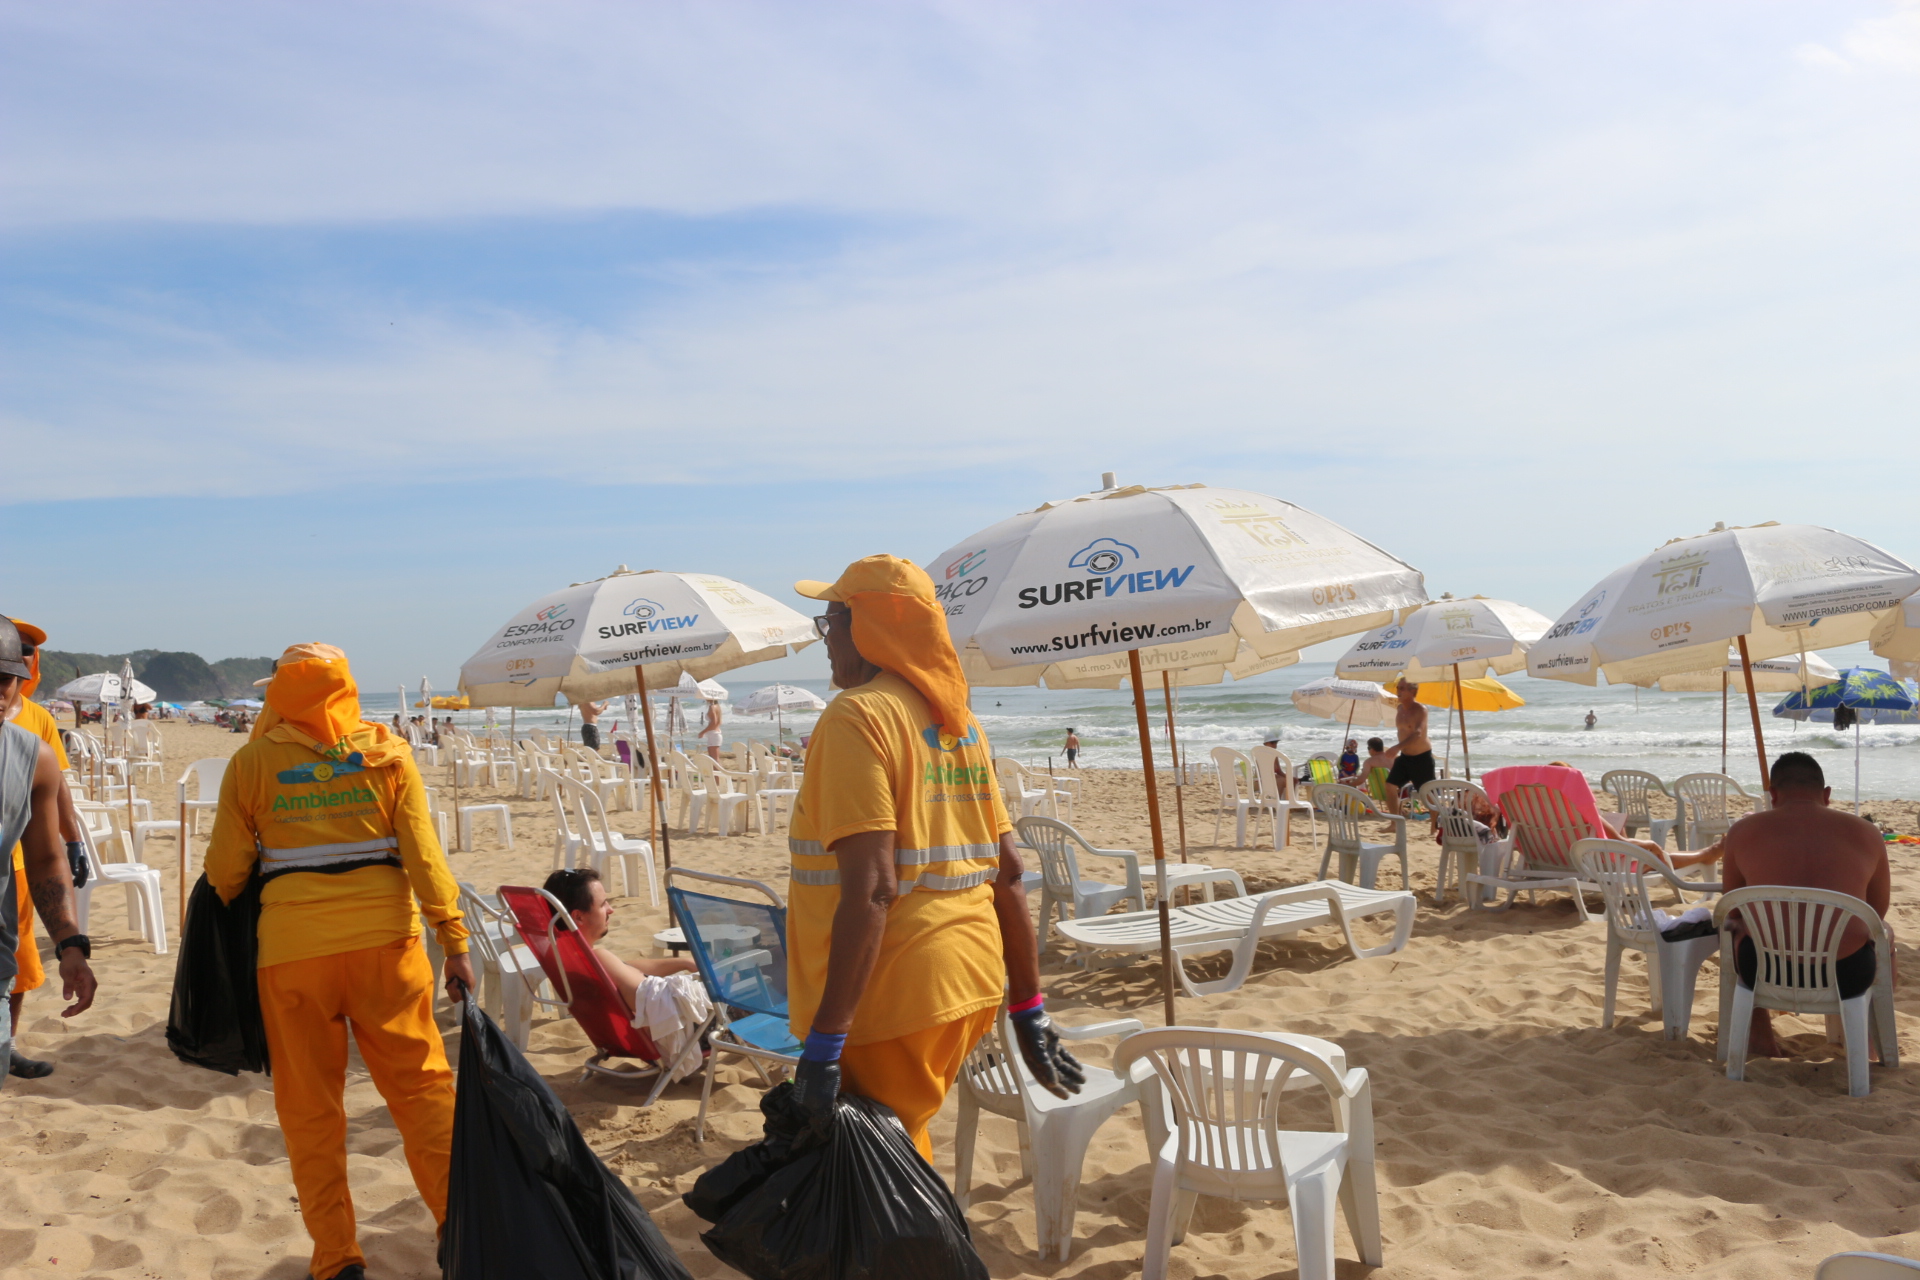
point(54, 902)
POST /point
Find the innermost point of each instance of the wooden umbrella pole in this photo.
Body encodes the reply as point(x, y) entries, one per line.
point(1723, 719)
point(1153, 824)
point(1753, 705)
point(1179, 771)
point(657, 817)
point(1466, 757)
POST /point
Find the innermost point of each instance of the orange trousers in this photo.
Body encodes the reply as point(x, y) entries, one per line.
point(912, 1073)
point(386, 993)
point(32, 974)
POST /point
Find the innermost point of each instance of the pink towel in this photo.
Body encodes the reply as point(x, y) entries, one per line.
point(1569, 782)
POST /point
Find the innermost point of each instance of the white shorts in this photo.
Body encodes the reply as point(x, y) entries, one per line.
point(711, 739)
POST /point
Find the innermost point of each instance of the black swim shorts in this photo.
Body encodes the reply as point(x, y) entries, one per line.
point(1853, 974)
point(1417, 770)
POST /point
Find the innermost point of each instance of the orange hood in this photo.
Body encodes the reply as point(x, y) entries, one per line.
point(900, 627)
point(313, 700)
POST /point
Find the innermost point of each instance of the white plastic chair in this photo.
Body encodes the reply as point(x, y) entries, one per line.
point(1633, 790)
point(1029, 794)
point(1709, 801)
point(716, 801)
point(1274, 793)
point(1222, 1088)
point(1233, 774)
point(1450, 801)
point(205, 775)
point(1867, 1266)
point(144, 748)
point(1796, 937)
point(1673, 968)
point(1060, 882)
point(145, 913)
point(601, 843)
point(1344, 809)
point(511, 979)
point(1054, 1132)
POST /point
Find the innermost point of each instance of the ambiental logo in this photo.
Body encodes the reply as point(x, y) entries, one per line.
point(1102, 556)
point(965, 565)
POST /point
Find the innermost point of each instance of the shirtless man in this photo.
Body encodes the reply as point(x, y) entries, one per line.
point(590, 724)
point(1413, 754)
point(585, 899)
point(1801, 841)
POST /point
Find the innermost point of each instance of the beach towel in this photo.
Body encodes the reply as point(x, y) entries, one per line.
point(1569, 782)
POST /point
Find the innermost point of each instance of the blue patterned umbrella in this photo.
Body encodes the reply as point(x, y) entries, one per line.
point(1874, 697)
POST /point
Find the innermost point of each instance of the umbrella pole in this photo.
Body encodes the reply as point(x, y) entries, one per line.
point(1179, 773)
point(658, 812)
point(1466, 758)
point(1723, 719)
point(1753, 705)
point(1153, 824)
point(1856, 767)
point(1446, 760)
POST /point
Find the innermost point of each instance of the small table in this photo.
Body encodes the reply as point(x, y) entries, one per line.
point(722, 939)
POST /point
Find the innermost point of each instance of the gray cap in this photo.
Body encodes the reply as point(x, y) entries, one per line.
point(12, 657)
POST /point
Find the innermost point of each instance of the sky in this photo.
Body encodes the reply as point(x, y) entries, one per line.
point(372, 322)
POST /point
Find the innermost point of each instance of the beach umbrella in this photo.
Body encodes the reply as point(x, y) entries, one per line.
point(776, 700)
point(601, 639)
point(1770, 675)
point(1861, 691)
point(688, 687)
point(104, 687)
point(1358, 702)
point(1771, 589)
point(1897, 636)
point(1483, 693)
point(1126, 569)
point(1448, 639)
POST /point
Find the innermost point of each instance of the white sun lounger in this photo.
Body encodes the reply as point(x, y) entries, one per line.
point(1241, 924)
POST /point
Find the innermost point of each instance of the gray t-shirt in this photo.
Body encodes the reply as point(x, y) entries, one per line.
point(19, 753)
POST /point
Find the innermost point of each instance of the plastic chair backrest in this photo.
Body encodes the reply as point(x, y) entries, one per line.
point(1450, 801)
point(1617, 867)
point(1321, 769)
point(1227, 770)
point(990, 1072)
point(1053, 841)
point(1341, 807)
point(1633, 790)
point(576, 973)
point(1225, 1091)
point(564, 814)
point(1796, 936)
point(1377, 784)
point(206, 775)
point(1545, 824)
point(712, 925)
point(1272, 774)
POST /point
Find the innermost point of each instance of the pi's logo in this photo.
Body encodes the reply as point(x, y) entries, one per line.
point(551, 612)
point(1102, 556)
point(642, 609)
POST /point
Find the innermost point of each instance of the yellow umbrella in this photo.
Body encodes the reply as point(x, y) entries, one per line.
point(1483, 693)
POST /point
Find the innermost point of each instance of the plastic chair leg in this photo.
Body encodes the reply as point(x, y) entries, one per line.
point(1360, 1198)
point(1153, 1266)
point(1312, 1198)
point(1853, 1025)
point(1614, 949)
point(1738, 1025)
point(966, 1128)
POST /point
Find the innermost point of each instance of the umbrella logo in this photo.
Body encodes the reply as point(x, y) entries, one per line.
point(1682, 573)
point(1586, 610)
point(966, 564)
point(1102, 556)
point(551, 612)
point(642, 609)
point(1257, 523)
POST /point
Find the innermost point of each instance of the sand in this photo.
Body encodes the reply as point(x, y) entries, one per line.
point(1515, 1137)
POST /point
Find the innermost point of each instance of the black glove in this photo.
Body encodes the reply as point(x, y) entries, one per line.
point(77, 863)
point(816, 1091)
point(1058, 1071)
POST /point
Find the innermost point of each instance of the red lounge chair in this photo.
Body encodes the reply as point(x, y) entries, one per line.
point(582, 983)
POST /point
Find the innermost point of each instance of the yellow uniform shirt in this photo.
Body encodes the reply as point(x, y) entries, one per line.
point(39, 722)
point(303, 816)
point(877, 761)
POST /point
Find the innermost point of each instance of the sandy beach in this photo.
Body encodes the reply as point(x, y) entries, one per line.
point(1515, 1137)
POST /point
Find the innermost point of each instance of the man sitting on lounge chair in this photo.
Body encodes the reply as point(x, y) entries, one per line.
point(585, 898)
point(1800, 841)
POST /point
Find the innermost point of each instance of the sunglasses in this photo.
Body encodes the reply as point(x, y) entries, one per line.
point(824, 623)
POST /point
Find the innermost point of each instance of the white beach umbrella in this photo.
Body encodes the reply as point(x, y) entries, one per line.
point(603, 638)
point(1897, 637)
point(1127, 570)
point(780, 697)
point(1447, 639)
point(691, 688)
point(104, 687)
point(1354, 701)
point(1772, 589)
point(1770, 675)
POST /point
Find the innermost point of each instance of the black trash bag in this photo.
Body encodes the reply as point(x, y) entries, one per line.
point(730, 1181)
point(864, 1206)
point(214, 1021)
point(527, 1196)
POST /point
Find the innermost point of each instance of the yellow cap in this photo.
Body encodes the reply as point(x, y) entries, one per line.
point(303, 653)
point(30, 633)
point(889, 575)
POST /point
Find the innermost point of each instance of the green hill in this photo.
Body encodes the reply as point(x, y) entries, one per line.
point(175, 677)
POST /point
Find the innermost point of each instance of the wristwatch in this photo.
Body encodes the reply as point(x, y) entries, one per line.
point(79, 940)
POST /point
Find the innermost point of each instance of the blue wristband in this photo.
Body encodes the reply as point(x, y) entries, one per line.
point(822, 1047)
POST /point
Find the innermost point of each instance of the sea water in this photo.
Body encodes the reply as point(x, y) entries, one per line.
point(1664, 733)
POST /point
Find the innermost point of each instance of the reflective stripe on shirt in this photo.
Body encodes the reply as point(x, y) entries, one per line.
point(308, 857)
point(905, 861)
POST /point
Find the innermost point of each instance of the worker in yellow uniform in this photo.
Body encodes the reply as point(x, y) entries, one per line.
point(37, 720)
point(331, 813)
point(907, 922)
